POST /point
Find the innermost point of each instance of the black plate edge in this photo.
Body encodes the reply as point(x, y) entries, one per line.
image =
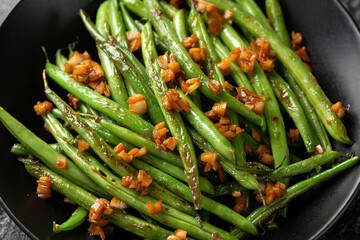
point(17, 221)
point(2, 203)
point(12, 6)
point(317, 235)
point(345, 206)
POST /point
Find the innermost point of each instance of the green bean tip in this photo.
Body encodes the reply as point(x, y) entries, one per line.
point(56, 227)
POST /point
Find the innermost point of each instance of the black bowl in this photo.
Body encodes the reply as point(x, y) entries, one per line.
point(330, 36)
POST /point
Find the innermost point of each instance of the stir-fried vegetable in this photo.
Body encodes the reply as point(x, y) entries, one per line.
point(138, 134)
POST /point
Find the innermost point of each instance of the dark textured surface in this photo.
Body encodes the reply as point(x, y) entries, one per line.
point(346, 227)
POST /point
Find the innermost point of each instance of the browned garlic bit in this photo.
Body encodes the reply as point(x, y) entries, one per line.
point(179, 235)
point(134, 39)
point(43, 189)
point(88, 72)
point(159, 134)
point(141, 184)
point(154, 208)
point(137, 104)
point(44, 107)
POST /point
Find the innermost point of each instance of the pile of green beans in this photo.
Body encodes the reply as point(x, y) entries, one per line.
point(188, 194)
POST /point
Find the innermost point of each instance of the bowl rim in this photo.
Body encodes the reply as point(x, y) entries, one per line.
point(329, 224)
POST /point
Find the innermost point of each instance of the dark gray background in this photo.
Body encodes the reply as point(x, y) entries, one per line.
point(347, 226)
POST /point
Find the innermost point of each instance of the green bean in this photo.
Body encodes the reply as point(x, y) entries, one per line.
point(264, 212)
point(301, 73)
point(100, 103)
point(91, 112)
point(115, 134)
point(179, 23)
point(105, 153)
point(129, 66)
point(116, 23)
point(251, 167)
point(229, 36)
point(158, 41)
point(71, 47)
point(148, 219)
point(272, 226)
point(102, 174)
point(119, 33)
point(250, 141)
point(207, 129)
point(274, 13)
point(114, 79)
point(60, 60)
point(103, 132)
point(76, 219)
point(140, 141)
point(206, 136)
point(173, 119)
point(294, 158)
point(244, 178)
point(20, 150)
point(315, 124)
point(236, 73)
point(312, 117)
point(254, 168)
point(249, 127)
point(83, 108)
point(128, 20)
point(308, 109)
point(182, 190)
point(154, 190)
point(301, 167)
point(164, 28)
point(96, 143)
point(292, 106)
point(238, 142)
point(198, 27)
point(173, 167)
point(169, 10)
point(171, 160)
point(207, 203)
point(277, 21)
point(167, 181)
point(120, 22)
point(43, 151)
point(130, 90)
point(251, 7)
point(137, 7)
point(86, 199)
point(227, 188)
point(241, 80)
point(274, 120)
point(177, 172)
